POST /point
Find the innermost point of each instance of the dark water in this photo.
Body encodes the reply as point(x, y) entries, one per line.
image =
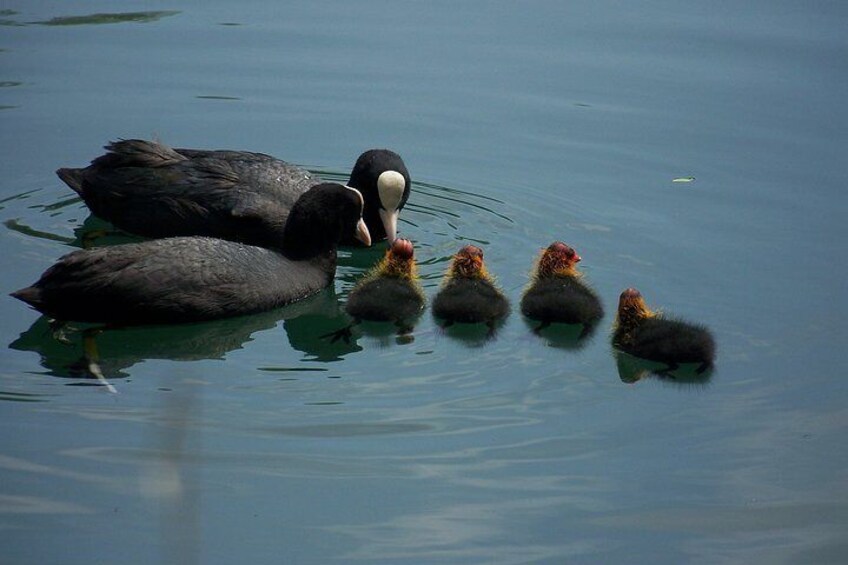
point(253, 439)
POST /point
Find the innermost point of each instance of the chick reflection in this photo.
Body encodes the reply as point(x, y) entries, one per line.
point(390, 292)
point(563, 336)
point(633, 369)
point(118, 349)
point(306, 331)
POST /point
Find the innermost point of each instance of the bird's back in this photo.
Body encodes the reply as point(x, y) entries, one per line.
point(385, 299)
point(671, 340)
point(561, 300)
point(173, 280)
point(147, 188)
point(470, 300)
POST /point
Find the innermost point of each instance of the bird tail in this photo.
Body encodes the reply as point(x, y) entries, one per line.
point(31, 295)
point(72, 177)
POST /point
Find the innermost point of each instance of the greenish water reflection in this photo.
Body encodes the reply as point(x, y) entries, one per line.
point(109, 18)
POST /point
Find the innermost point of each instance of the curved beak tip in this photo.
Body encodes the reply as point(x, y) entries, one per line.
point(362, 233)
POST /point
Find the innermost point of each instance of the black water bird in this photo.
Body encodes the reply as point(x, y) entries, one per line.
point(469, 294)
point(644, 333)
point(390, 292)
point(557, 292)
point(188, 279)
point(150, 189)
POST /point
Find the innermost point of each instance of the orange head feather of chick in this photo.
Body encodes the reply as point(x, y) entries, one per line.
point(468, 263)
point(632, 308)
point(558, 259)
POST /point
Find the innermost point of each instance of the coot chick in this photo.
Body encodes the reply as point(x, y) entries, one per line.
point(390, 292)
point(557, 293)
point(189, 279)
point(469, 294)
point(649, 335)
point(150, 189)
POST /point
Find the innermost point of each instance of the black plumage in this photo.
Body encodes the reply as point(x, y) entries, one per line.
point(186, 279)
point(468, 294)
point(150, 189)
point(390, 292)
point(557, 293)
point(650, 335)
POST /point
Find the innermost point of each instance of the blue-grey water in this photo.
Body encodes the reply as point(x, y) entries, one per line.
point(693, 150)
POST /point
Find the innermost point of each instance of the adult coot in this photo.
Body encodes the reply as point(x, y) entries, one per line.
point(647, 334)
point(469, 294)
point(187, 279)
point(557, 293)
point(150, 189)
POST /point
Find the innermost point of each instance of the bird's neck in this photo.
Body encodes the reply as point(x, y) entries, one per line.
point(394, 267)
point(561, 272)
point(629, 318)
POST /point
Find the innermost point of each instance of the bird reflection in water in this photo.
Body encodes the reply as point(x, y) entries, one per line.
point(114, 350)
point(633, 369)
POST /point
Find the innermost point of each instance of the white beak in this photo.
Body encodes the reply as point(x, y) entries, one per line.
point(390, 187)
point(389, 219)
point(362, 233)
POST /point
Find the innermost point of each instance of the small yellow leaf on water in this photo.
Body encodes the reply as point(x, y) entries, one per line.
point(683, 179)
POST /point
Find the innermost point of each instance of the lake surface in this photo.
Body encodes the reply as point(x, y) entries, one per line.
point(694, 152)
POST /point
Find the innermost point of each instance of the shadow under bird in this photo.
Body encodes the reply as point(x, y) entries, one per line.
point(150, 189)
point(189, 279)
point(468, 294)
point(644, 333)
point(557, 293)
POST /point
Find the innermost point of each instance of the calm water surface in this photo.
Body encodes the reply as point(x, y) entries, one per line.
point(254, 439)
